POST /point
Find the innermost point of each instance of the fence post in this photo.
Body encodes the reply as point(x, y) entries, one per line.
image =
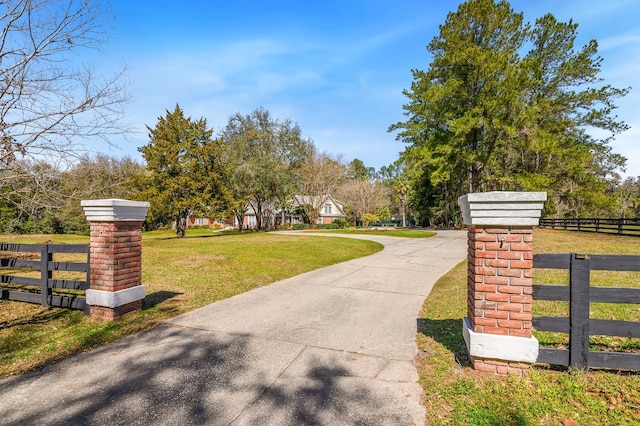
point(45, 275)
point(115, 256)
point(579, 288)
point(497, 329)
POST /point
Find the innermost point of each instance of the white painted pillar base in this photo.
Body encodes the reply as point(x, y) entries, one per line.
point(113, 299)
point(495, 346)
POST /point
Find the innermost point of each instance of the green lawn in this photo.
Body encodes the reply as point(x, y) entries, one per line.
point(456, 394)
point(179, 274)
point(405, 233)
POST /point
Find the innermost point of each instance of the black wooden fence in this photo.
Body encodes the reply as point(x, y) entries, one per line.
point(579, 293)
point(19, 258)
point(620, 226)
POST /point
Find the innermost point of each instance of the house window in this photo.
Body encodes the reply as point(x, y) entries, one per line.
point(251, 221)
point(327, 209)
point(200, 221)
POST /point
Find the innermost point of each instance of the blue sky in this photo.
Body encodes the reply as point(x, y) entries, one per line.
point(337, 67)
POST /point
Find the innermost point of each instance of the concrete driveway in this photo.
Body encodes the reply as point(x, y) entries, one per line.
point(330, 347)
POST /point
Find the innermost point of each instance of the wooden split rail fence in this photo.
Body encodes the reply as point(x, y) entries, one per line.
point(579, 293)
point(620, 226)
point(16, 259)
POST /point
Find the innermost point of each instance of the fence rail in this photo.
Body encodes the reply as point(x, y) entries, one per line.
point(620, 226)
point(579, 293)
point(40, 290)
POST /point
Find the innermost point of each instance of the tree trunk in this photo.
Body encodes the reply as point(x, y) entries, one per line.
point(313, 218)
point(258, 211)
point(181, 225)
point(240, 220)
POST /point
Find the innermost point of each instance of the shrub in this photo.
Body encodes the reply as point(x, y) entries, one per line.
point(341, 223)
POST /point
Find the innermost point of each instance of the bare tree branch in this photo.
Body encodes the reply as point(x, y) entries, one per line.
point(49, 103)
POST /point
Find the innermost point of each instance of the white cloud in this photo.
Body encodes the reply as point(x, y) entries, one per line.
point(626, 41)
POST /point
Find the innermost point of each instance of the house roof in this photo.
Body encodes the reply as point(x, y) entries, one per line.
point(306, 199)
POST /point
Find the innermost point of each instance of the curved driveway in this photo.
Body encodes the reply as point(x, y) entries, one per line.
point(333, 346)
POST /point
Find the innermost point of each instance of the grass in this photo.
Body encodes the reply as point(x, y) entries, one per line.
point(405, 233)
point(179, 274)
point(456, 394)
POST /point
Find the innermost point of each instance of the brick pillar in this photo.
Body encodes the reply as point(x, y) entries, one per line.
point(115, 256)
point(497, 329)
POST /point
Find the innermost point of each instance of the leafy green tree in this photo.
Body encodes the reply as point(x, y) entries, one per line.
point(397, 179)
point(627, 195)
point(185, 174)
point(356, 170)
point(490, 115)
point(262, 154)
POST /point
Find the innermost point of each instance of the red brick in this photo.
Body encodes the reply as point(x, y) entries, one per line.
point(489, 230)
point(483, 254)
point(521, 230)
point(484, 304)
point(511, 255)
point(497, 246)
point(476, 261)
point(525, 282)
point(495, 362)
point(511, 371)
point(482, 270)
point(473, 278)
point(486, 322)
point(497, 297)
point(511, 307)
point(520, 316)
point(500, 315)
point(496, 280)
point(520, 333)
point(522, 264)
point(521, 298)
point(487, 238)
point(484, 367)
point(496, 330)
point(509, 272)
point(485, 288)
point(510, 289)
point(522, 246)
point(513, 238)
point(506, 323)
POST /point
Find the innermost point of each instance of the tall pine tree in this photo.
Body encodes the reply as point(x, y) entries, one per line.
point(506, 105)
point(184, 172)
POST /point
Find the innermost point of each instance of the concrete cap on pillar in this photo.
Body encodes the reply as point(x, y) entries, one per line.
point(502, 208)
point(114, 210)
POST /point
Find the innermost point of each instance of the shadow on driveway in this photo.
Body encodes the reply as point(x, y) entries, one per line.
point(171, 375)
